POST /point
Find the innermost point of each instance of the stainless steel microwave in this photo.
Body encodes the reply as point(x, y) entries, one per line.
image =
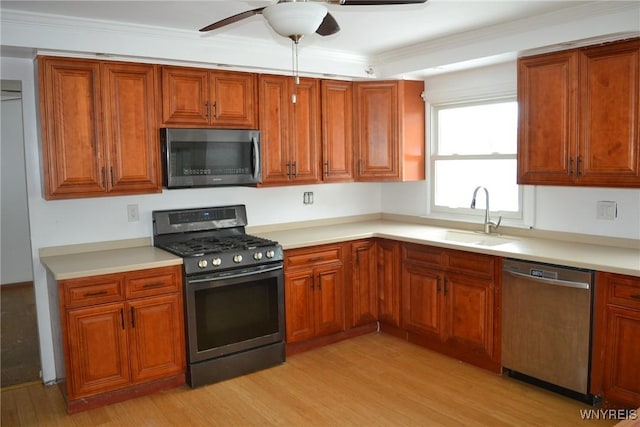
point(210, 157)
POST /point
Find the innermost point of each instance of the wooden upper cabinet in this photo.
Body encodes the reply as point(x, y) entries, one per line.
point(337, 130)
point(390, 131)
point(579, 119)
point(290, 131)
point(199, 97)
point(609, 130)
point(99, 128)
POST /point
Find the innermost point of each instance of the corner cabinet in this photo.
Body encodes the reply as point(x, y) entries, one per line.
point(123, 334)
point(290, 130)
point(314, 292)
point(364, 283)
point(390, 131)
point(200, 97)
point(579, 118)
point(99, 128)
point(450, 301)
point(616, 349)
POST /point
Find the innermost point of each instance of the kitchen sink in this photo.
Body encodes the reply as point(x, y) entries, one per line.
point(476, 238)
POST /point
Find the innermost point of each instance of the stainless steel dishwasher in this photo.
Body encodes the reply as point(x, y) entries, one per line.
point(546, 326)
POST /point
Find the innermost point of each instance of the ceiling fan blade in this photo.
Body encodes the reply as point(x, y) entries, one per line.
point(328, 26)
point(377, 2)
point(230, 20)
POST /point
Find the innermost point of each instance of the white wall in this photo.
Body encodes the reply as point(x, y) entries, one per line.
point(16, 265)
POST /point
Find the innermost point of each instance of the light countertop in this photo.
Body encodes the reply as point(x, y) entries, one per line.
point(622, 260)
point(137, 254)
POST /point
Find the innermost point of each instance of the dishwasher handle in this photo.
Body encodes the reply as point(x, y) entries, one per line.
point(556, 282)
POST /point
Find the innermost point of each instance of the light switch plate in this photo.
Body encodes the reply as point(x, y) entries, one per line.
point(607, 210)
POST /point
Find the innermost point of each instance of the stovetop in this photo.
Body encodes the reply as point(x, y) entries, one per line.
point(212, 239)
point(213, 244)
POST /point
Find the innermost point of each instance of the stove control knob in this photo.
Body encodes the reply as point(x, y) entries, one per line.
point(202, 263)
point(237, 259)
point(270, 253)
point(257, 256)
point(216, 261)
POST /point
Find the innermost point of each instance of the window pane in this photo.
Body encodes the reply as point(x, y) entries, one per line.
point(455, 181)
point(478, 129)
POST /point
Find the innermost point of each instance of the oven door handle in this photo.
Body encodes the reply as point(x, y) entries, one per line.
point(233, 276)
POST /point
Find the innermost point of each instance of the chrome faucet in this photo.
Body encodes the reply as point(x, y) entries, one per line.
point(489, 226)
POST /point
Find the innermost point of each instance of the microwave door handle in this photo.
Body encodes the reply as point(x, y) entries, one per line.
point(256, 158)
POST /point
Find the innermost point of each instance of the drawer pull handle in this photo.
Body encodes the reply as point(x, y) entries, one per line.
point(133, 317)
point(635, 296)
point(318, 258)
point(152, 285)
point(95, 294)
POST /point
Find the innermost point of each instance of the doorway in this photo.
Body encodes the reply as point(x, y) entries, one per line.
point(19, 346)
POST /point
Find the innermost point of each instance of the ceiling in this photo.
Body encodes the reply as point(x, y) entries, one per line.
point(365, 30)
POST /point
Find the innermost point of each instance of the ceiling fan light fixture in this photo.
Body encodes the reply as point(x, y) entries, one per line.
point(295, 19)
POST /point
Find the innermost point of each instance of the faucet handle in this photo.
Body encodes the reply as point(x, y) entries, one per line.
point(494, 225)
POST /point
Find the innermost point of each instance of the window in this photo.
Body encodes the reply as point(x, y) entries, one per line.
point(474, 144)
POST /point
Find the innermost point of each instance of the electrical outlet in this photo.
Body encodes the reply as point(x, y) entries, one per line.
point(607, 210)
point(307, 198)
point(132, 213)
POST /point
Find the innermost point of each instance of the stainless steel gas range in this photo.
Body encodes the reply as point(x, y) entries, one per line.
point(234, 291)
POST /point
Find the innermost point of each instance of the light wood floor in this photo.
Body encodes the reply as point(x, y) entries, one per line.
point(372, 380)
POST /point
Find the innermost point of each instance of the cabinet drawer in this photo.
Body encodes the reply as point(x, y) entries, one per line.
point(92, 290)
point(425, 255)
point(624, 290)
point(312, 256)
point(470, 263)
point(156, 281)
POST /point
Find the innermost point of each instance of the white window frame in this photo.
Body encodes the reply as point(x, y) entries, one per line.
point(522, 218)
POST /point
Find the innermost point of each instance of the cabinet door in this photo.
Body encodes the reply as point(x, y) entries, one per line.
point(98, 354)
point(422, 291)
point(71, 118)
point(185, 96)
point(329, 297)
point(275, 112)
point(389, 282)
point(610, 115)
point(298, 298)
point(622, 370)
point(156, 337)
point(547, 122)
point(377, 149)
point(364, 283)
point(337, 131)
point(131, 129)
point(233, 100)
point(305, 129)
point(469, 311)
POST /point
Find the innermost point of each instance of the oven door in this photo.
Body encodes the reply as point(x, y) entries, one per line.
point(233, 311)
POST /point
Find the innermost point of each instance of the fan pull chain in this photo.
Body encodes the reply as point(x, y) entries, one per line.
point(296, 75)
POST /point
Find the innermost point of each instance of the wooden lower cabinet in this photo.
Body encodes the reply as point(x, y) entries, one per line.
point(115, 346)
point(449, 301)
point(616, 350)
point(314, 292)
point(389, 282)
point(364, 283)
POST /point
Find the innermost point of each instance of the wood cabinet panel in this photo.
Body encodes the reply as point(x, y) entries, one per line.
point(97, 350)
point(579, 117)
point(609, 139)
point(337, 130)
point(389, 276)
point(129, 91)
point(390, 131)
point(329, 305)
point(114, 347)
point(155, 330)
point(422, 309)
point(99, 128)
point(305, 146)
point(72, 140)
point(364, 282)
point(299, 306)
point(275, 116)
point(201, 97)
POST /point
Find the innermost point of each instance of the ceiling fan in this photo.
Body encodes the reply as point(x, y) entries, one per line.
point(297, 18)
